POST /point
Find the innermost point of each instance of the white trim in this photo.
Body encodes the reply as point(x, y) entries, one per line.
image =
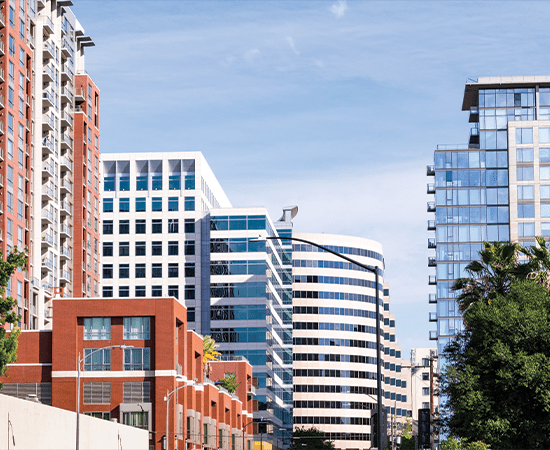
point(114, 374)
point(29, 364)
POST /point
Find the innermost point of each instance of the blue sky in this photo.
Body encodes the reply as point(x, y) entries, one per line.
point(335, 107)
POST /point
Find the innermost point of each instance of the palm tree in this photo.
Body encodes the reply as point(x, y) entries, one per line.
point(209, 353)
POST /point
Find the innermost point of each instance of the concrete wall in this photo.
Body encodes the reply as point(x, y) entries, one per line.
point(37, 426)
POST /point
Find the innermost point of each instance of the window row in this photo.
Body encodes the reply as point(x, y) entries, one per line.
point(470, 160)
point(475, 233)
point(156, 248)
point(238, 223)
point(254, 334)
point(338, 389)
point(141, 204)
point(133, 359)
point(527, 173)
point(333, 280)
point(156, 291)
point(334, 373)
point(238, 312)
point(237, 267)
point(334, 311)
point(143, 182)
point(99, 328)
point(332, 404)
point(331, 326)
point(527, 210)
point(141, 226)
point(140, 270)
point(335, 296)
point(465, 197)
point(132, 392)
point(338, 421)
point(328, 264)
point(458, 252)
point(338, 249)
point(333, 342)
point(234, 245)
point(330, 357)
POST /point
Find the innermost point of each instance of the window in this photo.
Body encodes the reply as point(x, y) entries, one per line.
point(525, 173)
point(22, 57)
point(189, 270)
point(524, 155)
point(137, 358)
point(526, 229)
point(189, 292)
point(174, 182)
point(526, 210)
point(141, 183)
point(99, 415)
point(425, 405)
point(95, 359)
point(109, 184)
point(190, 181)
point(108, 205)
point(138, 419)
point(526, 192)
point(107, 291)
point(425, 391)
point(140, 226)
point(140, 291)
point(124, 205)
point(107, 249)
point(189, 225)
point(140, 270)
point(173, 203)
point(156, 182)
point(156, 248)
point(189, 203)
point(97, 393)
point(190, 314)
point(124, 291)
point(425, 376)
point(173, 248)
point(156, 270)
point(189, 247)
point(156, 203)
point(173, 270)
point(157, 226)
point(140, 248)
point(156, 291)
point(124, 249)
point(124, 227)
point(141, 204)
point(544, 154)
point(136, 392)
point(124, 182)
point(12, 46)
point(107, 271)
point(124, 271)
point(173, 225)
point(173, 291)
point(137, 328)
point(97, 328)
point(524, 136)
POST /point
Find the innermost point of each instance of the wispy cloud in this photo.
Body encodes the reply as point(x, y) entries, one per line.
point(250, 55)
point(339, 8)
point(291, 43)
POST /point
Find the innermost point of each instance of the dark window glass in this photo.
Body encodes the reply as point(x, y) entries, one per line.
point(173, 291)
point(189, 225)
point(107, 249)
point(189, 203)
point(141, 183)
point(107, 227)
point(124, 205)
point(173, 270)
point(156, 270)
point(107, 291)
point(107, 271)
point(156, 291)
point(140, 291)
point(173, 226)
point(124, 183)
point(108, 205)
point(156, 182)
point(189, 269)
point(124, 291)
point(140, 248)
point(141, 204)
point(156, 248)
point(140, 270)
point(189, 292)
point(174, 182)
point(124, 227)
point(156, 204)
point(124, 271)
point(124, 249)
point(109, 184)
point(157, 226)
point(189, 182)
point(189, 247)
point(173, 248)
point(140, 226)
point(173, 203)
point(190, 314)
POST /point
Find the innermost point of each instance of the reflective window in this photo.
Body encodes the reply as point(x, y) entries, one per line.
point(141, 183)
point(173, 225)
point(526, 229)
point(108, 205)
point(124, 183)
point(526, 210)
point(189, 203)
point(140, 204)
point(140, 226)
point(156, 204)
point(544, 154)
point(525, 173)
point(524, 136)
point(524, 155)
point(174, 182)
point(173, 203)
point(97, 359)
point(137, 328)
point(97, 329)
point(124, 205)
point(140, 248)
point(140, 270)
point(544, 135)
point(526, 192)
point(156, 182)
point(157, 226)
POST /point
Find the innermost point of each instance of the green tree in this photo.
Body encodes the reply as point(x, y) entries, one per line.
point(229, 382)
point(407, 440)
point(452, 443)
point(496, 382)
point(310, 439)
point(8, 314)
point(209, 353)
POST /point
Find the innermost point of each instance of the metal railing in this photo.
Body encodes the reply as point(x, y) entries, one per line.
point(47, 262)
point(47, 215)
point(47, 238)
point(67, 207)
point(67, 185)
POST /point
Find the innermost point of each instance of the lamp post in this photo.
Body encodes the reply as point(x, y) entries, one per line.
point(167, 399)
point(252, 421)
point(378, 328)
point(79, 362)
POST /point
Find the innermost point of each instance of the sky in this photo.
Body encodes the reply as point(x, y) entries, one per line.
point(333, 106)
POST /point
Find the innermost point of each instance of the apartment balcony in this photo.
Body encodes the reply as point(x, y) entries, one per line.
point(431, 225)
point(433, 317)
point(48, 51)
point(65, 252)
point(430, 171)
point(30, 40)
point(47, 240)
point(47, 169)
point(65, 230)
point(66, 163)
point(79, 96)
point(66, 186)
point(65, 276)
point(432, 280)
point(47, 73)
point(46, 22)
point(431, 207)
point(474, 136)
point(29, 75)
point(251, 389)
point(66, 73)
point(1, 128)
point(474, 114)
point(66, 49)
point(2, 101)
point(47, 193)
point(430, 188)
point(47, 216)
point(2, 74)
point(66, 119)
point(432, 298)
point(47, 264)
point(47, 99)
point(432, 243)
point(2, 20)
point(433, 335)
point(432, 261)
point(1, 180)
point(2, 48)
point(48, 144)
point(66, 141)
point(66, 208)
point(47, 122)
point(66, 95)
point(1, 207)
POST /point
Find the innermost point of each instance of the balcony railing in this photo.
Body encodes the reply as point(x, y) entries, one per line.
point(48, 71)
point(68, 72)
point(65, 275)
point(432, 279)
point(430, 171)
point(433, 317)
point(48, 24)
point(47, 215)
point(47, 238)
point(431, 225)
point(65, 229)
point(433, 335)
point(48, 96)
point(66, 184)
point(431, 207)
point(432, 261)
point(430, 188)
point(432, 243)
point(67, 93)
point(66, 251)
point(48, 263)
point(65, 139)
point(47, 121)
point(67, 207)
point(2, 20)
point(432, 298)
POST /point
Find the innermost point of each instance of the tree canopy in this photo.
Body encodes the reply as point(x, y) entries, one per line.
point(496, 384)
point(229, 382)
point(310, 439)
point(8, 314)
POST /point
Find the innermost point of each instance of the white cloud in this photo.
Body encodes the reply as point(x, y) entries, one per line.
point(339, 8)
point(291, 43)
point(250, 55)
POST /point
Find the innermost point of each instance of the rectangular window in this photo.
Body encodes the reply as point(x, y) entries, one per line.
point(95, 359)
point(189, 292)
point(12, 46)
point(156, 270)
point(544, 154)
point(174, 182)
point(173, 203)
point(524, 155)
point(107, 249)
point(109, 184)
point(124, 291)
point(526, 192)
point(156, 182)
point(140, 270)
point(526, 210)
point(140, 204)
point(137, 328)
point(137, 359)
point(189, 270)
point(124, 205)
point(173, 226)
point(136, 392)
point(156, 226)
point(189, 247)
point(189, 225)
point(189, 182)
point(525, 173)
point(108, 205)
point(156, 204)
point(124, 249)
point(140, 248)
point(156, 248)
point(124, 271)
point(173, 248)
point(425, 391)
point(124, 182)
point(524, 135)
point(97, 329)
point(173, 270)
point(189, 203)
point(140, 291)
point(156, 291)
point(124, 227)
point(173, 291)
point(140, 226)
point(107, 271)
point(526, 229)
point(141, 183)
point(107, 291)
point(138, 419)
point(97, 393)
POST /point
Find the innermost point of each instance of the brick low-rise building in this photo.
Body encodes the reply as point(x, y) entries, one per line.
point(143, 351)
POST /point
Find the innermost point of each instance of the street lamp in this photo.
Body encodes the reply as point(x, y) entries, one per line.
point(79, 362)
point(253, 421)
point(167, 399)
point(378, 328)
